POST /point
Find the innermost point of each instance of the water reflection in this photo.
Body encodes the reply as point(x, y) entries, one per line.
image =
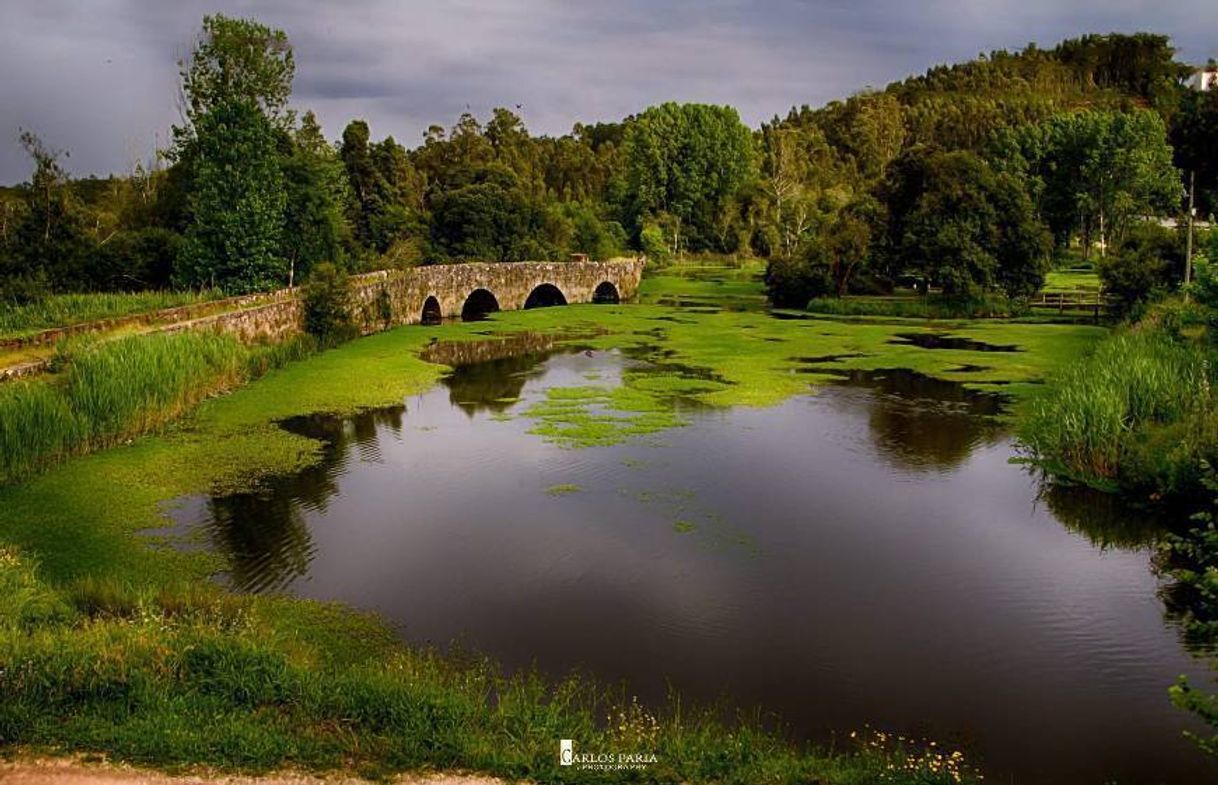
point(925, 340)
point(263, 534)
point(488, 375)
point(1105, 519)
point(920, 422)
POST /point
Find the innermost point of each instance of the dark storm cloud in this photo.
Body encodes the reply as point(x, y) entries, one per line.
point(99, 78)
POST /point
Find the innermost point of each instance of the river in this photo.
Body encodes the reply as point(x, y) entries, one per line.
point(862, 555)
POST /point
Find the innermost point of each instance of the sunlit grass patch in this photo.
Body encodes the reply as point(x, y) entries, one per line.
point(63, 310)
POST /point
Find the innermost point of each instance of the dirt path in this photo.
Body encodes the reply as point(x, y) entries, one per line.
point(74, 772)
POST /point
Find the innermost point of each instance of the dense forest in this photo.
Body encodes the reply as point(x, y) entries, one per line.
point(965, 180)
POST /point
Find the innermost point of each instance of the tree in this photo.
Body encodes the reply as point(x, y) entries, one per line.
point(686, 160)
point(1146, 266)
point(385, 187)
point(1194, 137)
point(792, 281)
point(234, 241)
point(1142, 64)
point(960, 226)
point(870, 128)
point(575, 227)
point(1096, 171)
point(49, 246)
point(316, 188)
point(847, 243)
point(239, 59)
point(490, 220)
point(326, 299)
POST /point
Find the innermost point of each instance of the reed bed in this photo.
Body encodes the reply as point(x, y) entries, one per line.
point(1138, 413)
point(63, 310)
point(112, 391)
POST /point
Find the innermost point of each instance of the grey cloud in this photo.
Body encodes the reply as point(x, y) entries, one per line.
point(99, 78)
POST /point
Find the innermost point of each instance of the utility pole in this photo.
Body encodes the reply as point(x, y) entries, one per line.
point(1188, 243)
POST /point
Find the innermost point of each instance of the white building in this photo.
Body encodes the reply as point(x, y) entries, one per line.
point(1205, 78)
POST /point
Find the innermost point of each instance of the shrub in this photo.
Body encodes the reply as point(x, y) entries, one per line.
point(1205, 285)
point(327, 305)
point(654, 246)
point(136, 260)
point(792, 282)
point(1189, 561)
point(1144, 268)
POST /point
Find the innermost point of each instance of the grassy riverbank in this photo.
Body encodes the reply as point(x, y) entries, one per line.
point(63, 310)
point(109, 644)
point(1137, 415)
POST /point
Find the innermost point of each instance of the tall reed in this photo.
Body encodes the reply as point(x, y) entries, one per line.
point(118, 389)
point(62, 310)
point(1104, 420)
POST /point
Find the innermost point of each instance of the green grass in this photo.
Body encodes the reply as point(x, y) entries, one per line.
point(111, 645)
point(63, 310)
point(115, 390)
point(913, 306)
point(1137, 414)
point(1072, 281)
point(708, 284)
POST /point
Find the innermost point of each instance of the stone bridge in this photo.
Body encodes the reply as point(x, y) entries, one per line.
point(382, 300)
point(430, 294)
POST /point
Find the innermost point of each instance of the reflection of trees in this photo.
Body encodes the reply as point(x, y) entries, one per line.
point(489, 375)
point(920, 422)
point(263, 533)
point(1187, 561)
point(493, 385)
point(1105, 519)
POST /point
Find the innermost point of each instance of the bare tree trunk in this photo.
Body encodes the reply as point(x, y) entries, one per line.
point(1188, 245)
point(1103, 237)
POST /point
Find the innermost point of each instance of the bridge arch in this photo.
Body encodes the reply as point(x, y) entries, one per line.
point(478, 304)
point(432, 314)
point(606, 293)
point(544, 296)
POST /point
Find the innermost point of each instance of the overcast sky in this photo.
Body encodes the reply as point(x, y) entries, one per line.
point(99, 79)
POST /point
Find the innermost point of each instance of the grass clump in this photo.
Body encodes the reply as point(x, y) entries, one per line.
point(63, 310)
point(112, 391)
point(599, 416)
point(1138, 413)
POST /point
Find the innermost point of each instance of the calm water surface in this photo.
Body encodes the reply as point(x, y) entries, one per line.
point(864, 555)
